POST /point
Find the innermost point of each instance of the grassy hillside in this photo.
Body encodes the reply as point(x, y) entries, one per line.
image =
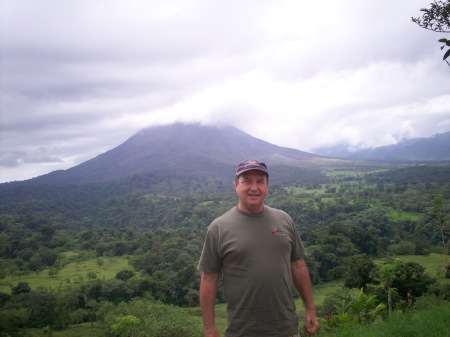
point(72, 273)
point(433, 264)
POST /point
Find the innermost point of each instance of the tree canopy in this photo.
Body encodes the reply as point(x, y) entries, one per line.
point(437, 19)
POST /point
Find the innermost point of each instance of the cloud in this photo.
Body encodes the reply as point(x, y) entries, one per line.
point(77, 78)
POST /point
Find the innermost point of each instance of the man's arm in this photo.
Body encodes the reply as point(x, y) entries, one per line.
point(302, 282)
point(208, 293)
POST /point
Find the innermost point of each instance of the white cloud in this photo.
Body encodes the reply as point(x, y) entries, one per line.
point(80, 77)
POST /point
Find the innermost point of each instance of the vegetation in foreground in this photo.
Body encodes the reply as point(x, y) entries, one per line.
point(431, 322)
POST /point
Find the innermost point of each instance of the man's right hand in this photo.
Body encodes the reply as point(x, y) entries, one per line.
point(212, 332)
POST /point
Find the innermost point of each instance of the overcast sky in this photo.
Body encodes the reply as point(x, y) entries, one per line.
point(78, 78)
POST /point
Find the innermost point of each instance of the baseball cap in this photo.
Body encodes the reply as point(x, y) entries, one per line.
point(248, 165)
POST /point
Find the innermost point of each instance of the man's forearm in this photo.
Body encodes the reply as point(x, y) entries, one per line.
point(302, 282)
point(208, 293)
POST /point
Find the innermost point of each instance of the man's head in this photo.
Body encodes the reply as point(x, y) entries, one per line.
point(251, 185)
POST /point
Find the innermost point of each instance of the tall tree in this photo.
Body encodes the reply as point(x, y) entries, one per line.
point(387, 276)
point(438, 214)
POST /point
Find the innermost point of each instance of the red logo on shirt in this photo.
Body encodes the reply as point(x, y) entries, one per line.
point(277, 231)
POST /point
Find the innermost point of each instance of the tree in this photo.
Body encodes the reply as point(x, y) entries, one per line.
point(438, 213)
point(404, 278)
point(437, 19)
point(411, 277)
point(387, 275)
point(21, 288)
point(91, 275)
point(124, 275)
point(360, 271)
point(125, 325)
point(42, 307)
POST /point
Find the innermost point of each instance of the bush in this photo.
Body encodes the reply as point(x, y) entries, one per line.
point(147, 317)
point(11, 321)
point(333, 302)
point(403, 248)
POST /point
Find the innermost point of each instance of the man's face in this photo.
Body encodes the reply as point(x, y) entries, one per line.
point(251, 188)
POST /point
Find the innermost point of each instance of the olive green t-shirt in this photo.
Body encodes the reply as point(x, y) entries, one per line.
point(254, 254)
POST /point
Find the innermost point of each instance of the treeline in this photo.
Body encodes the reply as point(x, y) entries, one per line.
point(113, 305)
point(345, 224)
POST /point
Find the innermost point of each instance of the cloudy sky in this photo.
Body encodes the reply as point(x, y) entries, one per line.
point(78, 78)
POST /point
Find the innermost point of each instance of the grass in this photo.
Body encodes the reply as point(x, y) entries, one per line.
point(320, 291)
point(79, 330)
point(74, 272)
point(433, 322)
point(302, 191)
point(400, 215)
point(343, 173)
point(433, 264)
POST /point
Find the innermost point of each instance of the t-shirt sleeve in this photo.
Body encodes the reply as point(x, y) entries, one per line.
point(210, 261)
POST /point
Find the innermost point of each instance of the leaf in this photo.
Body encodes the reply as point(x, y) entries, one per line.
point(443, 40)
point(447, 54)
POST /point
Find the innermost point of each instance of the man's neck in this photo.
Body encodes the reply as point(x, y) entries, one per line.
point(251, 210)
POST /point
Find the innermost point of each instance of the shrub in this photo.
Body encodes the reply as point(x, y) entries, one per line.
point(403, 248)
point(147, 317)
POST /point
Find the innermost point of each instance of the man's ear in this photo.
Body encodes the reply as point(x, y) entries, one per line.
point(236, 182)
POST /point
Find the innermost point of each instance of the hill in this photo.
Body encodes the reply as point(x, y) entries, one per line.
point(435, 148)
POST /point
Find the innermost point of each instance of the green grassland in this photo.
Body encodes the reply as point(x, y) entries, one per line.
point(402, 215)
point(72, 273)
point(433, 264)
point(300, 191)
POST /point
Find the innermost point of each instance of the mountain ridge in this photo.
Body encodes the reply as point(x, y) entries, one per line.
point(434, 148)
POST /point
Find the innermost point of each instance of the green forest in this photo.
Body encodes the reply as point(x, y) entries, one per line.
point(121, 259)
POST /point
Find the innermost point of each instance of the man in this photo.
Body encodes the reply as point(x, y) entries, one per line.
point(259, 255)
